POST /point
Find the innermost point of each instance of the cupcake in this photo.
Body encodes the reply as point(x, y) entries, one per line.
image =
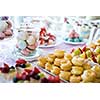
point(73, 37)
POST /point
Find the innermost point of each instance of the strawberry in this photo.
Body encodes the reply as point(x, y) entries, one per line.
point(36, 70)
point(44, 80)
point(6, 66)
point(18, 76)
point(42, 41)
point(51, 79)
point(84, 48)
point(5, 69)
point(25, 77)
point(21, 61)
point(81, 50)
point(94, 59)
point(72, 50)
point(56, 79)
point(0, 68)
point(28, 70)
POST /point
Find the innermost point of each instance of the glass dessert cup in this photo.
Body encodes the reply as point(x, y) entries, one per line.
point(27, 44)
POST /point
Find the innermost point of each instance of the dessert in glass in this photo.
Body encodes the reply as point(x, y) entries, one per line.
point(27, 41)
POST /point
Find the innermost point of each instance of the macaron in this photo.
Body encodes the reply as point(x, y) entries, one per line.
point(25, 52)
point(8, 32)
point(21, 44)
point(3, 26)
point(31, 40)
point(2, 35)
point(32, 47)
point(9, 23)
point(22, 36)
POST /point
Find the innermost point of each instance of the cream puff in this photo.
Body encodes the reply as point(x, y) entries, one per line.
point(78, 61)
point(51, 56)
point(76, 70)
point(42, 59)
point(40, 63)
point(96, 69)
point(86, 66)
point(75, 79)
point(57, 62)
point(88, 76)
point(66, 66)
point(55, 70)
point(59, 53)
point(50, 60)
point(48, 66)
point(67, 56)
point(65, 75)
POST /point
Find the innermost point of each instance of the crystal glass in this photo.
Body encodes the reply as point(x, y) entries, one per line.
point(27, 40)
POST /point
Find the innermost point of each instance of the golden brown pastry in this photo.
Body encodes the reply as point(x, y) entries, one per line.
point(65, 75)
point(39, 63)
point(76, 70)
point(96, 69)
point(88, 76)
point(68, 56)
point(75, 79)
point(77, 61)
point(51, 56)
point(57, 62)
point(66, 66)
point(50, 60)
point(42, 59)
point(48, 66)
point(59, 53)
point(63, 61)
point(86, 66)
point(55, 70)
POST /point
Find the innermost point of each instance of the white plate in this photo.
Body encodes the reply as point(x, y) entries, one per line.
point(76, 43)
point(58, 41)
point(16, 54)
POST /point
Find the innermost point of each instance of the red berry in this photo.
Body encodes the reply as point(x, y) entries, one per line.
point(51, 79)
point(44, 80)
point(28, 70)
point(56, 79)
point(18, 76)
point(36, 70)
point(25, 77)
point(72, 50)
point(21, 61)
point(81, 50)
point(6, 66)
point(0, 68)
point(93, 58)
point(5, 70)
point(84, 48)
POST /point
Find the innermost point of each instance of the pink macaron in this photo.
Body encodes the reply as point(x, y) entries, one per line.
point(2, 36)
point(25, 52)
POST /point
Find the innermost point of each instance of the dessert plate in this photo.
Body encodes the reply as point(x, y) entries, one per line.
point(33, 56)
point(58, 41)
point(75, 43)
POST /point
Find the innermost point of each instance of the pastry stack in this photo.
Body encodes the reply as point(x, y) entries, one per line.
point(69, 67)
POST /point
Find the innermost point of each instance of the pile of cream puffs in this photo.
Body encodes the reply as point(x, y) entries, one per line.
point(69, 67)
